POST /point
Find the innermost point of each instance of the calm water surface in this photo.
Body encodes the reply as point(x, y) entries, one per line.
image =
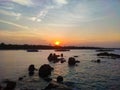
point(86, 75)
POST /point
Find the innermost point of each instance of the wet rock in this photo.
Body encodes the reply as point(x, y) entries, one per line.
point(72, 61)
point(10, 85)
point(56, 58)
point(59, 85)
point(62, 60)
point(53, 58)
point(20, 78)
point(45, 70)
point(60, 79)
point(97, 61)
point(31, 70)
point(48, 79)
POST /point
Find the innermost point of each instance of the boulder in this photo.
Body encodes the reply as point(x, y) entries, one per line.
point(45, 70)
point(72, 61)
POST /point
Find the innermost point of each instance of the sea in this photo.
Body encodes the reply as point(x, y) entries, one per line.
point(86, 75)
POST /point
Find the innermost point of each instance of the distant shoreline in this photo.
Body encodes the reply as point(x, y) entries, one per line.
point(44, 47)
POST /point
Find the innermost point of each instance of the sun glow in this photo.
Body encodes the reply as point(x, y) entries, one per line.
point(57, 43)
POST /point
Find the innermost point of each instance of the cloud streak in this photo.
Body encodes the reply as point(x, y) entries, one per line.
point(61, 1)
point(23, 2)
point(10, 13)
point(14, 24)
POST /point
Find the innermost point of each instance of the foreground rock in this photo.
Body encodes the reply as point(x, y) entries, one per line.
point(10, 85)
point(72, 61)
point(45, 70)
point(110, 55)
point(57, 85)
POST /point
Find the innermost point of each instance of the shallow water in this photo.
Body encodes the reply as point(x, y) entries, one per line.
point(86, 75)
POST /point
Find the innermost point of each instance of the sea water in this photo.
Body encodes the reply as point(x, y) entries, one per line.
point(86, 75)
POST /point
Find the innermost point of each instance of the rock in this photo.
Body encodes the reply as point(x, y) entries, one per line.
point(50, 57)
point(59, 85)
point(60, 79)
point(20, 78)
point(45, 70)
point(77, 61)
point(1, 87)
point(10, 85)
point(31, 70)
point(62, 60)
point(48, 79)
point(72, 61)
point(97, 61)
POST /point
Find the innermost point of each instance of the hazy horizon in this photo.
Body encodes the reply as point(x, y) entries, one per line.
point(72, 22)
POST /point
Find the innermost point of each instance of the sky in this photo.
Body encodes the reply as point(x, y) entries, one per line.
point(72, 22)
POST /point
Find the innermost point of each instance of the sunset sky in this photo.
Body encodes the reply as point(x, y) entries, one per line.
point(72, 22)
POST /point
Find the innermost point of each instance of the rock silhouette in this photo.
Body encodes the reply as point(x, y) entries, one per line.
point(72, 61)
point(31, 70)
point(56, 58)
point(10, 85)
point(45, 70)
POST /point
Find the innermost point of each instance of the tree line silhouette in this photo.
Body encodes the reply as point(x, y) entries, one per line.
point(4, 46)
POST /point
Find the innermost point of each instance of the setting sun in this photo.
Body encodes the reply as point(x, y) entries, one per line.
point(57, 43)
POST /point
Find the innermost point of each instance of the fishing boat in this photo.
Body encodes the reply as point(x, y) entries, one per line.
point(62, 50)
point(32, 50)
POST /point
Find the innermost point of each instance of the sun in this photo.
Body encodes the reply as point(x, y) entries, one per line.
point(57, 43)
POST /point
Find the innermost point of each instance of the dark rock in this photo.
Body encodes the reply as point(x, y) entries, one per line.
point(72, 61)
point(45, 70)
point(62, 60)
point(50, 57)
point(10, 85)
point(1, 87)
point(53, 58)
point(47, 79)
point(98, 60)
point(31, 70)
point(59, 85)
point(77, 61)
point(20, 78)
point(60, 79)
